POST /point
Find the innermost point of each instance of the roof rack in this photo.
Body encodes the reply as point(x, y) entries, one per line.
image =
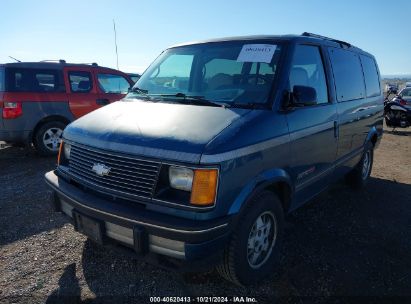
point(62, 61)
point(342, 43)
point(54, 60)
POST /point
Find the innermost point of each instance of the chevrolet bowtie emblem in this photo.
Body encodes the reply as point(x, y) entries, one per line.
point(101, 169)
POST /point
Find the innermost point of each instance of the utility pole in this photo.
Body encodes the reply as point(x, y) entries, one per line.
point(115, 41)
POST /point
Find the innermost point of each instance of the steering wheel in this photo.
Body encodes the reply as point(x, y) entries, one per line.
point(248, 78)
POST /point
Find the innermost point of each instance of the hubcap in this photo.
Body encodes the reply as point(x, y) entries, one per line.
point(52, 139)
point(366, 165)
point(261, 239)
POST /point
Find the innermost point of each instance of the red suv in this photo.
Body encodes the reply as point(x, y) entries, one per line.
point(38, 99)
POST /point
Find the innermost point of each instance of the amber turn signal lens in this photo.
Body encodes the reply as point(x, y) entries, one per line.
point(60, 151)
point(204, 187)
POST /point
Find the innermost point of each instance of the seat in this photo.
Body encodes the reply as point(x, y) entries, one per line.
point(220, 80)
point(83, 85)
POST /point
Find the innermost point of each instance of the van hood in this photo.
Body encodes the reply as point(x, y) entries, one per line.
point(158, 130)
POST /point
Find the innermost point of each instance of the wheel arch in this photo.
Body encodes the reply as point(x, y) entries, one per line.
point(277, 181)
point(372, 137)
point(47, 119)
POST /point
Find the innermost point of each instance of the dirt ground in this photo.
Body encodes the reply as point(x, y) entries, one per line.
point(343, 246)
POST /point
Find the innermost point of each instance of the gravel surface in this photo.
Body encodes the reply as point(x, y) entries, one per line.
point(341, 246)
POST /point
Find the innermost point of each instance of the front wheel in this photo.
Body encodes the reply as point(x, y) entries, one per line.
point(254, 246)
point(47, 139)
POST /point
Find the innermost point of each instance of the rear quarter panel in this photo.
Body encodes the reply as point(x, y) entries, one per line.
point(36, 106)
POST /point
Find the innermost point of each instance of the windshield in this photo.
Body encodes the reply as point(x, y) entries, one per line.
point(406, 93)
point(237, 73)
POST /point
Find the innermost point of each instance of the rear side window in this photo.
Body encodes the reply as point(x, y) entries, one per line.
point(2, 84)
point(34, 80)
point(372, 80)
point(80, 82)
point(110, 83)
point(348, 76)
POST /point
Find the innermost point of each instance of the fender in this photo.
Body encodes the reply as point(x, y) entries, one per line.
point(260, 182)
point(373, 132)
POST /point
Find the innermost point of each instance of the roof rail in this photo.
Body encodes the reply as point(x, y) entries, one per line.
point(342, 43)
point(62, 61)
point(54, 60)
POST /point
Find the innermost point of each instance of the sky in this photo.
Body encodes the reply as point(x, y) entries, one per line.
point(81, 31)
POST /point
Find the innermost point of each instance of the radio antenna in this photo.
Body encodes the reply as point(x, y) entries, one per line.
point(15, 59)
point(115, 41)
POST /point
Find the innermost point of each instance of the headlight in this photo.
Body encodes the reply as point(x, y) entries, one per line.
point(67, 150)
point(202, 183)
point(181, 178)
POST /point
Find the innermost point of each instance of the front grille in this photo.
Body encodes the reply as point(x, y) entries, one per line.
point(127, 177)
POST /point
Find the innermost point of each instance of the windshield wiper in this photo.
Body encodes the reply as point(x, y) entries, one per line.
point(139, 91)
point(199, 100)
point(252, 106)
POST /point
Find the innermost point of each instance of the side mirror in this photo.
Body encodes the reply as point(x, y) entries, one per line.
point(304, 96)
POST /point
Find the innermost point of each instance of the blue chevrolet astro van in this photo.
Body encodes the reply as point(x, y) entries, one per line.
point(215, 143)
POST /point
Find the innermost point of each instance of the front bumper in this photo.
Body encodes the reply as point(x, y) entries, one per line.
point(168, 236)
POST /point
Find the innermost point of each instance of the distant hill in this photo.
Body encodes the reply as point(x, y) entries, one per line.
point(398, 76)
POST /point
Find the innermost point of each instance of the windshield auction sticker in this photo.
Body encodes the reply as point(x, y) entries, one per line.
point(257, 53)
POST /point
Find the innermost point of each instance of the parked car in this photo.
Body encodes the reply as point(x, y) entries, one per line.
point(218, 141)
point(134, 77)
point(38, 99)
point(405, 96)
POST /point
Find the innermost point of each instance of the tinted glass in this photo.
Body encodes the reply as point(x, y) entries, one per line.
point(406, 92)
point(33, 80)
point(80, 82)
point(214, 71)
point(110, 83)
point(46, 81)
point(172, 74)
point(135, 78)
point(2, 84)
point(348, 76)
point(372, 80)
point(307, 70)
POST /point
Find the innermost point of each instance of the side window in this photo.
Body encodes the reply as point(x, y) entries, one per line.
point(348, 76)
point(80, 82)
point(34, 80)
point(46, 82)
point(110, 83)
point(372, 80)
point(2, 79)
point(307, 69)
point(174, 72)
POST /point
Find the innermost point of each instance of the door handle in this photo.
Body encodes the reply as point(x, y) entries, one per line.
point(102, 101)
point(336, 129)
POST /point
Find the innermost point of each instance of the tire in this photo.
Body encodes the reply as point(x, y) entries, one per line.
point(48, 137)
point(239, 264)
point(359, 176)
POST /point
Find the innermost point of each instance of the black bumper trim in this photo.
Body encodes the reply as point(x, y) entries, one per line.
point(186, 230)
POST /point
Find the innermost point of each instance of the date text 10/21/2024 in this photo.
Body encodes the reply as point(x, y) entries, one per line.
point(203, 300)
